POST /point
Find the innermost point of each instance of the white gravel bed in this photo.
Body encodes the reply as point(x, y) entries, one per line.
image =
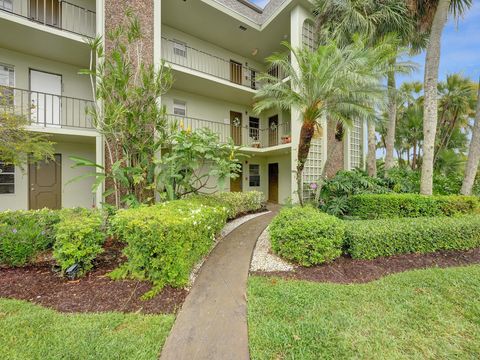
point(227, 229)
point(264, 260)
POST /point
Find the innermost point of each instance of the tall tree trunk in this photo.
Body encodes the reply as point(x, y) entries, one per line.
point(306, 134)
point(414, 159)
point(372, 149)
point(392, 118)
point(430, 109)
point(473, 154)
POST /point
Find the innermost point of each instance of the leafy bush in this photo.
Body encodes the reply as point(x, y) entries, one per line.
point(79, 239)
point(410, 205)
point(306, 235)
point(24, 234)
point(165, 241)
point(368, 239)
point(235, 203)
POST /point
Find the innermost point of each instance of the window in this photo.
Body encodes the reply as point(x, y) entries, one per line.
point(7, 178)
point(253, 79)
point(6, 5)
point(179, 108)
point(308, 35)
point(254, 128)
point(7, 78)
point(254, 175)
point(179, 48)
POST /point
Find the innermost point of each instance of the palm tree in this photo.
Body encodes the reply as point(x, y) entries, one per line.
point(333, 83)
point(431, 16)
point(375, 19)
point(372, 150)
point(473, 154)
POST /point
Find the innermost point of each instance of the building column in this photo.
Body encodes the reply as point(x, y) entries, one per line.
point(100, 160)
point(297, 16)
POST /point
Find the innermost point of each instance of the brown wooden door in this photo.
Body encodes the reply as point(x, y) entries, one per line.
point(235, 72)
point(273, 183)
point(236, 184)
point(273, 130)
point(45, 179)
point(236, 127)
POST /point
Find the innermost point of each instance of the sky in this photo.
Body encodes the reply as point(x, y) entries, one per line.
point(460, 50)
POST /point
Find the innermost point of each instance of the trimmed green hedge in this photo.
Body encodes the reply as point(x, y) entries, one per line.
point(165, 241)
point(235, 203)
point(79, 239)
point(306, 236)
point(24, 234)
point(377, 206)
point(368, 239)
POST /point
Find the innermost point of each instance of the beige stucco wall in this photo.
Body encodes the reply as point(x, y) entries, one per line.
point(74, 85)
point(77, 193)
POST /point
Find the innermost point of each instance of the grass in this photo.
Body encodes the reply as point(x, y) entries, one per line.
point(423, 314)
point(32, 332)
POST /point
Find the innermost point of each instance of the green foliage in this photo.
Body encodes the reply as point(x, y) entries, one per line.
point(431, 313)
point(306, 235)
point(335, 191)
point(368, 239)
point(126, 90)
point(165, 241)
point(24, 234)
point(18, 145)
point(79, 239)
point(372, 206)
point(191, 159)
point(234, 203)
point(35, 332)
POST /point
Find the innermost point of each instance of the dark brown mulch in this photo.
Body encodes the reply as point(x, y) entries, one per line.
point(93, 293)
point(346, 270)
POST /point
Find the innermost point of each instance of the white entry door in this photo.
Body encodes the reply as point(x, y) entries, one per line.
point(46, 98)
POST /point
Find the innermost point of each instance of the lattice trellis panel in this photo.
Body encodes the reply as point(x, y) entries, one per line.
point(308, 35)
point(356, 148)
point(313, 168)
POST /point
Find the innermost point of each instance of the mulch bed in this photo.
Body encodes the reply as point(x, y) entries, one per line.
point(345, 270)
point(95, 292)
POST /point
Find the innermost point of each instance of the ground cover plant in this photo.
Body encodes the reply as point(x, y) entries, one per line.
point(33, 332)
point(418, 314)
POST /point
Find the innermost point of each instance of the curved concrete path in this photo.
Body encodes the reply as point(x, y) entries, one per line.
point(212, 323)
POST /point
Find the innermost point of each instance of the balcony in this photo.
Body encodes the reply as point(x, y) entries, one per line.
point(179, 53)
point(46, 110)
point(58, 14)
point(245, 136)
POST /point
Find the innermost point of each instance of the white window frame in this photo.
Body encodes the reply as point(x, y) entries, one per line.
point(179, 107)
point(254, 175)
point(6, 5)
point(11, 73)
point(8, 183)
point(179, 48)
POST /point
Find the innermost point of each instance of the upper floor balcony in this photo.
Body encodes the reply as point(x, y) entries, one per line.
point(248, 136)
point(46, 110)
point(59, 14)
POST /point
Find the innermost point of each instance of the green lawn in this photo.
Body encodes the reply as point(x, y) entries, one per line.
point(423, 314)
point(29, 331)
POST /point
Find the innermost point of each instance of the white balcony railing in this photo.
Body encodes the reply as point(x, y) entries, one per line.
point(55, 13)
point(46, 110)
point(241, 135)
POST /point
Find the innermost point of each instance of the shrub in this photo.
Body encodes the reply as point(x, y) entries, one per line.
point(368, 239)
point(79, 239)
point(235, 203)
point(24, 234)
point(371, 206)
point(306, 235)
point(165, 241)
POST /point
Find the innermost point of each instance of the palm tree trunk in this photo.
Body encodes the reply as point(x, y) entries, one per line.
point(372, 149)
point(473, 154)
point(414, 159)
point(306, 135)
point(392, 117)
point(432, 62)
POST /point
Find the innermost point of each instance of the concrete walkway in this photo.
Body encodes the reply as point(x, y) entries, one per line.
point(212, 323)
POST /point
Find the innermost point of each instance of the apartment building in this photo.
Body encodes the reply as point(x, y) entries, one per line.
point(215, 48)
